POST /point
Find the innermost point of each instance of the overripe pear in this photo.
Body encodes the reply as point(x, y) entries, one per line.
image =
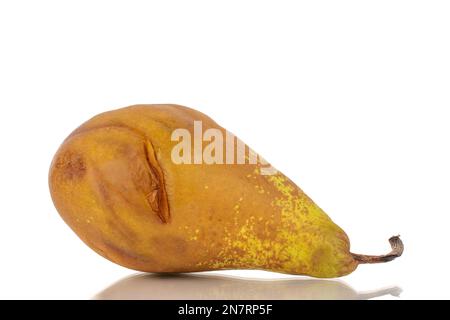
point(163, 188)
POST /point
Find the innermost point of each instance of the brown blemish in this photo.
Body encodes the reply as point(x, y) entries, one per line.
point(123, 254)
point(125, 233)
point(104, 188)
point(114, 220)
point(72, 165)
point(317, 257)
point(170, 244)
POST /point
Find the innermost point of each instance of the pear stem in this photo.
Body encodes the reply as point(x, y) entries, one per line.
point(397, 251)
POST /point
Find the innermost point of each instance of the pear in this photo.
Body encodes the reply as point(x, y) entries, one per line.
point(163, 188)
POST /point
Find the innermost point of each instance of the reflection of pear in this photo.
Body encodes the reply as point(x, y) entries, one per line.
point(114, 181)
point(211, 287)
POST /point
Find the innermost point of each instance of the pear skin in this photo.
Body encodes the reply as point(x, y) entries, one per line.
point(115, 183)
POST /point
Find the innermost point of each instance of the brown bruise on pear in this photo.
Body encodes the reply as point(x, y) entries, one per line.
point(114, 183)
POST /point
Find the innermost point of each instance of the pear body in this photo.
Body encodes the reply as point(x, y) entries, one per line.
point(115, 183)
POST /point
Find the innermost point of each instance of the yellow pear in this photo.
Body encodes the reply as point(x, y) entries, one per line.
point(163, 188)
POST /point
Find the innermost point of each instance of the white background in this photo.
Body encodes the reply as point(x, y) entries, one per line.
point(350, 99)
